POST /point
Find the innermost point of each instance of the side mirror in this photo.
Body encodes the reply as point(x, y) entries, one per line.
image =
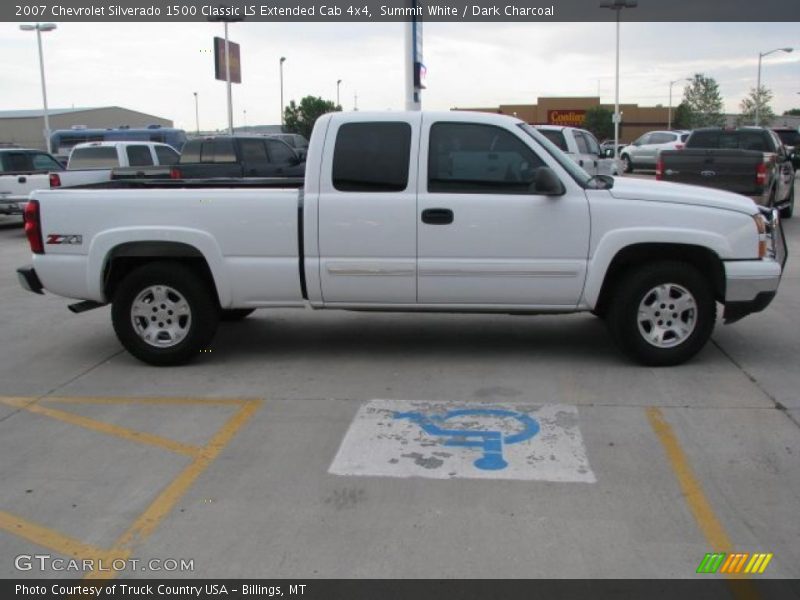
point(547, 183)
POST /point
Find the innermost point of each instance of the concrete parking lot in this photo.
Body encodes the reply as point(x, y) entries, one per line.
point(227, 462)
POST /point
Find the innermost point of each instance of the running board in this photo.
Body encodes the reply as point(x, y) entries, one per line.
point(82, 307)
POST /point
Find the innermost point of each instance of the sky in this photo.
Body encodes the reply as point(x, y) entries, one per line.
point(156, 67)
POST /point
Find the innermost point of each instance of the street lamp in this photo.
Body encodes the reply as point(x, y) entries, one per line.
point(225, 20)
point(669, 113)
point(617, 6)
point(39, 28)
point(338, 83)
point(758, 84)
point(196, 113)
point(283, 60)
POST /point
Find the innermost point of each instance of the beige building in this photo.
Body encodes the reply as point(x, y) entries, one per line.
point(25, 128)
point(568, 110)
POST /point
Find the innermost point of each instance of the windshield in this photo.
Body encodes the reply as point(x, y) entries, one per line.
point(578, 174)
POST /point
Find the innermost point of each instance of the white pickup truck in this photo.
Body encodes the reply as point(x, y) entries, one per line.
point(582, 147)
point(22, 171)
point(450, 212)
point(93, 162)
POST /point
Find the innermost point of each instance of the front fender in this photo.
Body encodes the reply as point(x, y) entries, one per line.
point(615, 241)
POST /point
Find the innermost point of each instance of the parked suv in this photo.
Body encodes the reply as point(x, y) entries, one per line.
point(642, 153)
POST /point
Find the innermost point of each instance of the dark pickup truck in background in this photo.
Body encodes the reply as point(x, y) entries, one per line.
point(751, 161)
point(237, 156)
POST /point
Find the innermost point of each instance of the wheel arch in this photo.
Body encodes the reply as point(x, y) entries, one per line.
point(704, 259)
point(112, 259)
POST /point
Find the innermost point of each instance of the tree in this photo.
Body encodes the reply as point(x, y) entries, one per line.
point(300, 118)
point(704, 101)
point(792, 112)
point(760, 98)
point(598, 121)
point(682, 117)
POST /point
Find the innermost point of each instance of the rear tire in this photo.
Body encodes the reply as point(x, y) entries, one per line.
point(235, 314)
point(164, 313)
point(662, 314)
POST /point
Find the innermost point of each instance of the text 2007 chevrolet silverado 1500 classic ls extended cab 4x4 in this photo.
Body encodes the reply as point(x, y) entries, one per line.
point(412, 211)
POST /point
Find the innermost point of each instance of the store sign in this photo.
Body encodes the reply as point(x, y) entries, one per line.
point(567, 118)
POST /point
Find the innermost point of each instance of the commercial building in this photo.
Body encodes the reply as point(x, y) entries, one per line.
point(571, 111)
point(25, 128)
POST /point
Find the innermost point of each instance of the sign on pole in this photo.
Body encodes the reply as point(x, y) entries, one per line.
point(219, 60)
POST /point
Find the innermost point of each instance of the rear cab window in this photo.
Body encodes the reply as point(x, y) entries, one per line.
point(94, 157)
point(166, 155)
point(14, 162)
point(372, 157)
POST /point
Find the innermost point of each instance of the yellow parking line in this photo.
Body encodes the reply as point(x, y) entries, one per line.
point(149, 520)
point(107, 428)
point(158, 401)
point(53, 540)
point(700, 507)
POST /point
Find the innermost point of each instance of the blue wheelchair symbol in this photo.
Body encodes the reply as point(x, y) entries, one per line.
point(491, 442)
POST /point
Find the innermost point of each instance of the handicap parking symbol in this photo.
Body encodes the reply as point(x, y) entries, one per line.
point(489, 441)
point(450, 439)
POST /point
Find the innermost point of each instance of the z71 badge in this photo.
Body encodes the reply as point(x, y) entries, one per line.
point(55, 238)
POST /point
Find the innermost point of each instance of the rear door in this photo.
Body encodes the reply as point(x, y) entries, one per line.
point(282, 158)
point(484, 238)
point(367, 211)
point(255, 160)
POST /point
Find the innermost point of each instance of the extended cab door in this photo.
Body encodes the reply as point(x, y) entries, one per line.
point(484, 238)
point(367, 210)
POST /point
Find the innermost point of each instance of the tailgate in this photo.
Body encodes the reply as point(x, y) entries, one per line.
point(729, 170)
point(17, 186)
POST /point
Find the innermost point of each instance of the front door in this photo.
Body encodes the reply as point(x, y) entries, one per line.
point(483, 237)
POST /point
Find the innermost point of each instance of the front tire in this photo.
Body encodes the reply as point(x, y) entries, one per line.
point(787, 211)
point(662, 314)
point(164, 313)
point(627, 165)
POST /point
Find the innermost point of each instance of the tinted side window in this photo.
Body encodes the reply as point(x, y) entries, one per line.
point(139, 156)
point(166, 155)
point(44, 162)
point(253, 151)
point(557, 137)
point(280, 153)
point(224, 152)
point(98, 157)
point(479, 159)
point(15, 161)
point(372, 157)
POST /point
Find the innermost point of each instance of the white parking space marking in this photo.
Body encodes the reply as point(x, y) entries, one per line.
point(445, 440)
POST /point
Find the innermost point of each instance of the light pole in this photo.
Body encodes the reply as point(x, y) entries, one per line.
point(244, 117)
point(617, 6)
point(283, 60)
point(338, 83)
point(758, 84)
point(39, 28)
point(196, 114)
point(669, 113)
